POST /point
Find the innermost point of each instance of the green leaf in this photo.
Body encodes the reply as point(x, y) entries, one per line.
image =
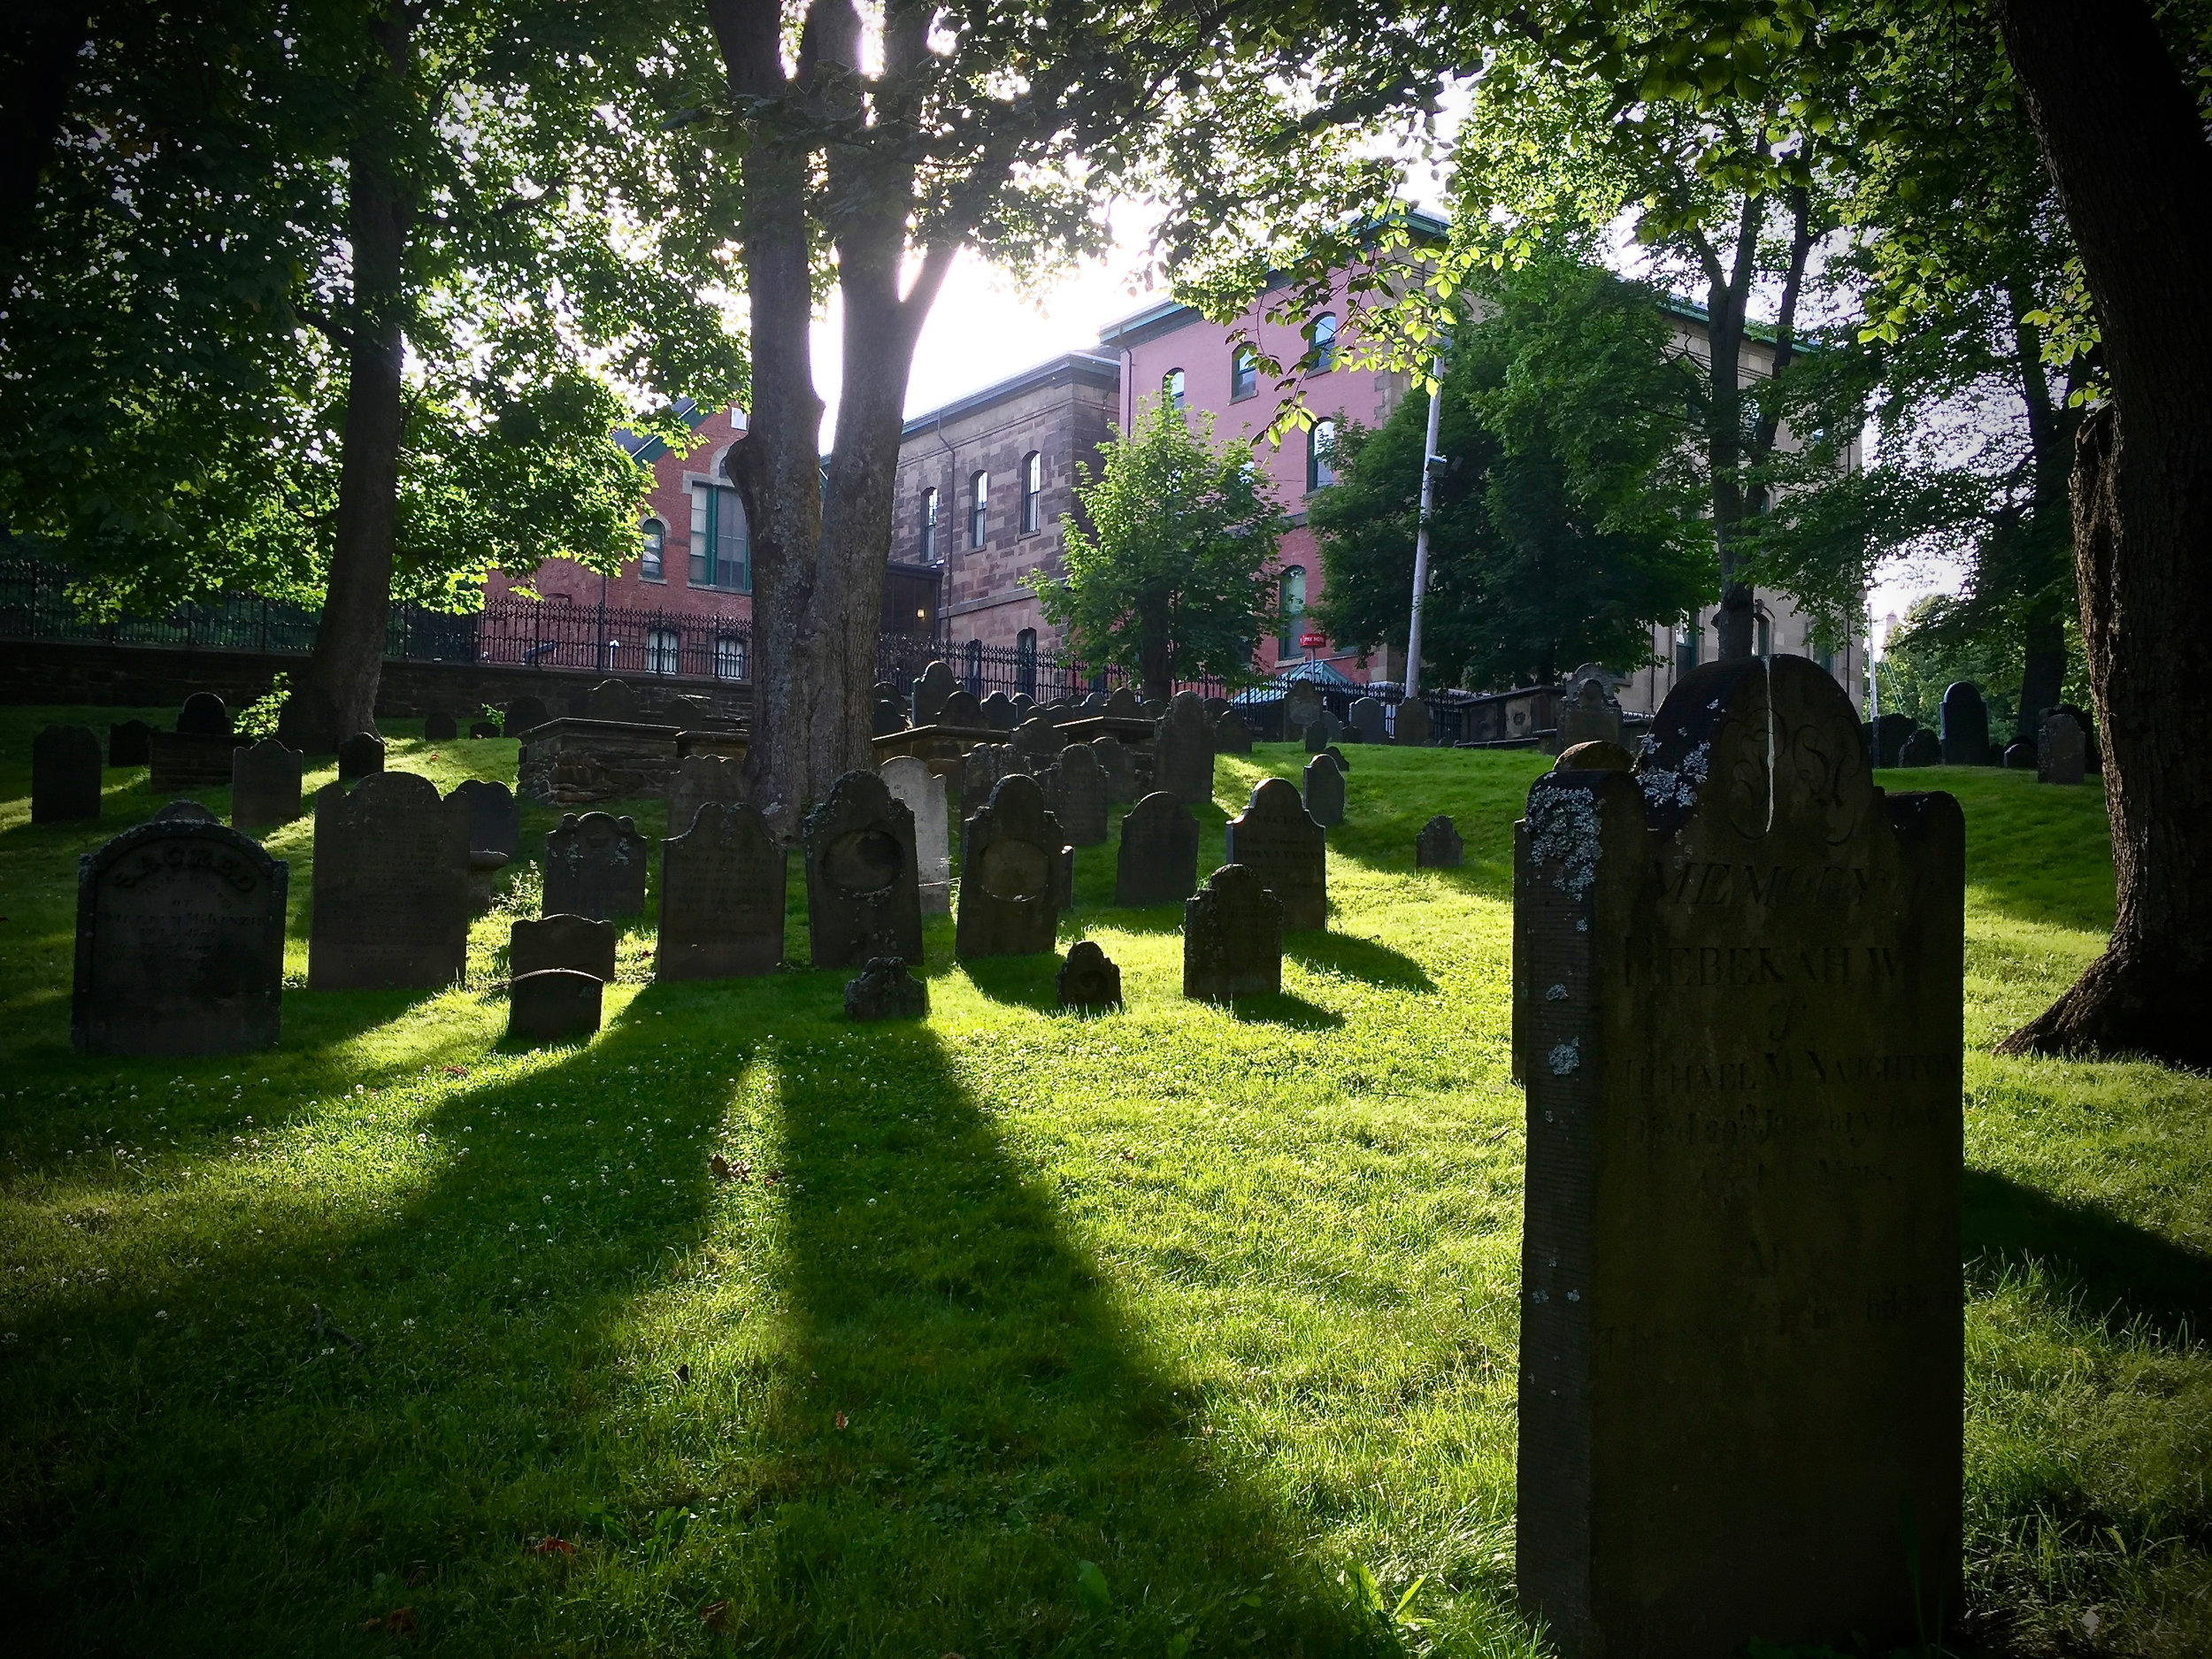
point(1091, 1593)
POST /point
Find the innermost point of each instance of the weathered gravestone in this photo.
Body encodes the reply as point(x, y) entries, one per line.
point(1921, 748)
point(1889, 734)
point(485, 728)
point(1216, 707)
point(1589, 712)
point(308, 722)
point(180, 943)
point(438, 726)
point(494, 815)
point(1322, 731)
point(184, 812)
point(963, 712)
point(1232, 735)
point(1301, 707)
point(1158, 863)
point(264, 785)
point(204, 715)
point(391, 887)
point(2020, 755)
point(1123, 704)
point(553, 1005)
point(1369, 721)
point(525, 713)
point(1343, 761)
point(613, 700)
point(2061, 754)
point(1410, 725)
point(2092, 760)
point(697, 779)
point(885, 990)
point(1965, 723)
point(581, 943)
point(1233, 937)
point(1438, 846)
point(1117, 767)
point(594, 865)
point(1737, 977)
point(923, 792)
point(722, 897)
point(999, 712)
point(64, 775)
point(981, 768)
point(186, 760)
point(1183, 753)
point(863, 889)
point(1325, 791)
point(1275, 839)
point(1077, 791)
point(1594, 757)
point(1037, 743)
point(1025, 705)
point(1088, 978)
point(360, 754)
point(129, 743)
point(889, 718)
point(930, 689)
point(1009, 876)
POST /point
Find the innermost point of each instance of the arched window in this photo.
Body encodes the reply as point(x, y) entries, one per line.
point(1322, 358)
point(1244, 373)
point(729, 656)
point(1321, 456)
point(1171, 388)
point(1291, 586)
point(978, 500)
point(661, 650)
point(975, 668)
point(1025, 663)
point(654, 536)
point(721, 547)
point(1033, 492)
point(929, 526)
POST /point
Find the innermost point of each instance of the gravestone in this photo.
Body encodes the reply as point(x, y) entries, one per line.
point(494, 816)
point(64, 775)
point(1325, 792)
point(1438, 846)
point(697, 779)
point(613, 700)
point(1088, 978)
point(1232, 735)
point(1123, 704)
point(1965, 723)
point(1025, 705)
point(863, 891)
point(961, 710)
point(1275, 839)
point(1301, 707)
point(885, 990)
point(1411, 725)
point(1157, 862)
point(1077, 790)
point(129, 743)
point(1343, 764)
point(180, 943)
point(1183, 753)
point(264, 785)
point(1037, 742)
point(1738, 1021)
point(889, 718)
point(484, 867)
point(188, 760)
point(1008, 875)
point(524, 714)
point(1589, 712)
point(999, 712)
point(934, 685)
point(308, 723)
point(391, 887)
point(1064, 879)
point(1233, 937)
point(578, 705)
point(184, 812)
point(2092, 761)
point(2020, 756)
point(1216, 707)
point(359, 755)
point(553, 1005)
point(1594, 757)
point(594, 865)
point(1322, 731)
point(484, 728)
point(438, 726)
point(923, 793)
point(2061, 754)
point(1369, 721)
point(981, 768)
point(722, 897)
point(204, 715)
point(1117, 767)
point(581, 943)
point(1920, 749)
point(1890, 733)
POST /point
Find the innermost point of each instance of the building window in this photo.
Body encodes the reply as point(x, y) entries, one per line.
point(1686, 646)
point(1244, 373)
point(1033, 492)
point(1025, 663)
point(1291, 586)
point(975, 668)
point(661, 650)
point(729, 656)
point(1321, 456)
point(979, 499)
point(654, 534)
point(929, 526)
point(1322, 358)
point(1762, 628)
point(1171, 388)
point(721, 549)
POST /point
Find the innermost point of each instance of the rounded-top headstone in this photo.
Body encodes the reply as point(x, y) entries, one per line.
point(1920, 749)
point(1123, 704)
point(130, 744)
point(961, 710)
point(722, 897)
point(359, 755)
point(595, 865)
point(1280, 844)
point(1158, 863)
point(553, 1005)
point(2020, 756)
point(613, 700)
point(1009, 868)
point(885, 990)
point(1183, 751)
point(1325, 791)
point(64, 775)
point(923, 793)
point(264, 785)
point(204, 715)
point(1368, 721)
point(1078, 793)
point(999, 712)
point(1438, 846)
point(1233, 937)
point(391, 901)
point(862, 882)
point(184, 812)
point(1965, 725)
point(1233, 733)
point(438, 726)
point(935, 684)
point(583, 943)
point(1412, 725)
point(1596, 755)
point(1088, 978)
point(524, 714)
point(494, 815)
point(1301, 707)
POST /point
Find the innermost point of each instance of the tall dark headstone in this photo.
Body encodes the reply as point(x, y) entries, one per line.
point(1412, 724)
point(1231, 733)
point(360, 754)
point(1438, 846)
point(1158, 863)
point(1233, 938)
point(1183, 753)
point(1117, 766)
point(64, 775)
point(180, 943)
point(2061, 750)
point(1325, 791)
point(524, 714)
point(613, 700)
point(438, 726)
point(581, 943)
point(722, 897)
point(699, 779)
point(981, 768)
point(1008, 893)
point(594, 865)
point(1368, 721)
point(1088, 978)
point(129, 743)
point(204, 715)
point(391, 887)
point(308, 723)
point(1921, 748)
point(1965, 725)
point(553, 1005)
point(930, 689)
point(1890, 733)
point(264, 785)
point(1077, 789)
point(1275, 839)
point(864, 896)
point(1738, 1008)
point(494, 814)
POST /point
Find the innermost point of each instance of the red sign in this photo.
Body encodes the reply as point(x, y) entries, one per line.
point(1312, 642)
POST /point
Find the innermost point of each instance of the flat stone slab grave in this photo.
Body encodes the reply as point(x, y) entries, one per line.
point(391, 886)
point(722, 897)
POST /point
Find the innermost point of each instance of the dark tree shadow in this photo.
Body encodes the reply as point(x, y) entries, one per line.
point(2121, 1271)
point(1285, 1009)
point(1358, 958)
point(1021, 981)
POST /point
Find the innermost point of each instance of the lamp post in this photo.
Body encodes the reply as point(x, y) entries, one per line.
point(1431, 464)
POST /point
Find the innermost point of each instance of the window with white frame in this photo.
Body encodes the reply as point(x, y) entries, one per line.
point(729, 656)
point(979, 507)
point(653, 536)
point(1321, 456)
point(1033, 492)
point(721, 545)
point(1322, 358)
point(1172, 390)
point(1292, 586)
point(1244, 373)
point(663, 651)
point(929, 526)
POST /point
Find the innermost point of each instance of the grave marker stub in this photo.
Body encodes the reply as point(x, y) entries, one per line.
point(484, 728)
point(129, 743)
point(935, 684)
point(1158, 863)
point(1183, 753)
point(264, 785)
point(863, 891)
point(1233, 938)
point(180, 943)
point(204, 715)
point(1119, 770)
point(581, 943)
point(1088, 978)
point(698, 779)
point(1438, 846)
point(1275, 839)
point(1325, 791)
point(1367, 721)
point(1412, 724)
point(923, 792)
point(360, 756)
point(391, 887)
point(1920, 748)
point(1232, 735)
point(1079, 796)
point(1965, 723)
point(64, 775)
point(553, 1005)
point(594, 865)
point(612, 700)
point(1009, 898)
point(885, 990)
point(1737, 1007)
point(494, 816)
point(722, 897)
point(2061, 751)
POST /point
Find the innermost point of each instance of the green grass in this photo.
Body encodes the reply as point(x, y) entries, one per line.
point(1222, 1303)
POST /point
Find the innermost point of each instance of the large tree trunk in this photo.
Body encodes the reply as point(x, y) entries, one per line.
point(348, 657)
point(38, 71)
point(2119, 131)
point(2050, 436)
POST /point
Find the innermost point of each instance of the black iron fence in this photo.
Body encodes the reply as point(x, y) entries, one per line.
point(983, 669)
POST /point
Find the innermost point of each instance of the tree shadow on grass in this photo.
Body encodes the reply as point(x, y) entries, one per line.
point(2121, 1271)
point(1358, 958)
point(1024, 981)
point(1285, 1009)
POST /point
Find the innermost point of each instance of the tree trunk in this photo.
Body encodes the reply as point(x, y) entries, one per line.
point(1726, 299)
point(2050, 437)
point(2119, 132)
point(38, 71)
point(348, 657)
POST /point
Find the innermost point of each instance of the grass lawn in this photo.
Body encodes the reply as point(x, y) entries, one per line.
point(1222, 1305)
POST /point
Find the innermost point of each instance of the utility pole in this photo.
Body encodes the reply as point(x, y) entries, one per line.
point(1431, 464)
